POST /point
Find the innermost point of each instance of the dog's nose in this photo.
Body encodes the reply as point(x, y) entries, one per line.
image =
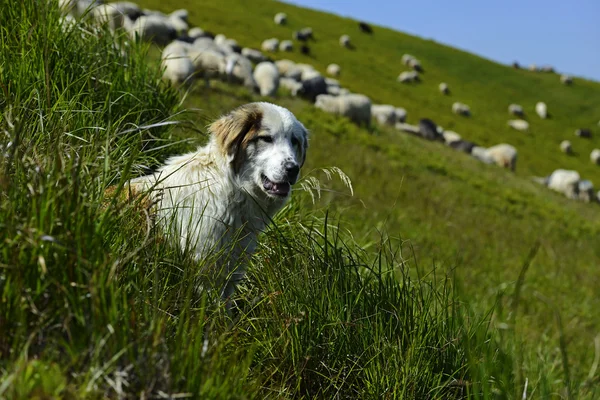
point(292, 169)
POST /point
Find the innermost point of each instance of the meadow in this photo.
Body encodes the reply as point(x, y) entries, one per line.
point(433, 277)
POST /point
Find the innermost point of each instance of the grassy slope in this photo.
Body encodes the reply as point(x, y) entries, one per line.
point(456, 212)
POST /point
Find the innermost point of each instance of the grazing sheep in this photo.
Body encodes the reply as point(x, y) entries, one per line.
point(547, 68)
point(313, 87)
point(303, 34)
point(406, 58)
point(595, 156)
point(227, 45)
point(357, 107)
point(77, 8)
point(585, 191)
point(564, 181)
point(290, 84)
point(116, 14)
point(408, 128)
point(364, 27)
point(270, 45)
point(208, 63)
point(280, 18)
point(304, 49)
point(308, 71)
point(254, 55)
point(504, 155)
point(462, 145)
point(408, 77)
point(481, 154)
point(451, 136)
point(177, 65)
point(345, 41)
point(584, 133)
point(541, 109)
point(516, 109)
point(238, 69)
point(285, 65)
point(286, 45)
point(153, 28)
point(196, 33)
point(266, 76)
point(516, 65)
point(444, 88)
point(519, 124)
point(429, 130)
point(566, 79)
point(565, 147)
point(333, 70)
point(415, 64)
point(400, 114)
point(461, 109)
point(384, 114)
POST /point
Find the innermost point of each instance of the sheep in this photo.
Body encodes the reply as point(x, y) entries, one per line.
point(307, 71)
point(270, 45)
point(177, 65)
point(565, 147)
point(429, 130)
point(408, 76)
point(384, 114)
point(515, 109)
point(516, 65)
point(304, 49)
point(196, 33)
point(115, 14)
point(408, 128)
point(208, 63)
point(303, 34)
point(444, 88)
point(333, 70)
point(238, 69)
point(504, 155)
point(226, 45)
point(77, 8)
point(366, 28)
point(547, 69)
point(541, 109)
point(533, 67)
point(461, 109)
point(595, 156)
point(290, 84)
point(254, 55)
point(406, 58)
point(481, 154)
point(179, 19)
point(357, 107)
point(462, 145)
point(285, 65)
point(519, 124)
point(153, 28)
point(345, 41)
point(564, 181)
point(584, 133)
point(400, 114)
point(266, 76)
point(313, 87)
point(280, 18)
point(566, 79)
point(585, 191)
point(286, 45)
point(415, 64)
point(451, 136)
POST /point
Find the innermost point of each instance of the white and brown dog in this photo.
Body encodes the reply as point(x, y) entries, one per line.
point(217, 199)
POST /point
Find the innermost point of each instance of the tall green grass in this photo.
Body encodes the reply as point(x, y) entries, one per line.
point(94, 304)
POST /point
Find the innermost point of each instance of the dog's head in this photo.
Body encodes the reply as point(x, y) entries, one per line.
point(265, 146)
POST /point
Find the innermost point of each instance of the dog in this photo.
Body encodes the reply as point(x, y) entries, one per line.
point(217, 199)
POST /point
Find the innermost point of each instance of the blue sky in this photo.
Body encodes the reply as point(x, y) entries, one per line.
point(564, 34)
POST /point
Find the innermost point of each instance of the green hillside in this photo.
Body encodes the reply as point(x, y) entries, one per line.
point(440, 277)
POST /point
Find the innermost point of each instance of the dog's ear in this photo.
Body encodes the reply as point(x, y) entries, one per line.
point(235, 130)
point(303, 147)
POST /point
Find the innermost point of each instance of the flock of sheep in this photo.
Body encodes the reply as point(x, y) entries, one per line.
point(191, 53)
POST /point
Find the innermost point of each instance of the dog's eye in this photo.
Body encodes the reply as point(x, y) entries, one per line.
point(295, 142)
point(266, 139)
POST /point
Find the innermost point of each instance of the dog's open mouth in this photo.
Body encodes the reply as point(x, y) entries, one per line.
point(280, 189)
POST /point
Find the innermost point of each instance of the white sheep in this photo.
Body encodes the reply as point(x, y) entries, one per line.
point(177, 65)
point(444, 88)
point(286, 45)
point(280, 18)
point(401, 126)
point(238, 69)
point(345, 41)
point(77, 8)
point(400, 114)
point(384, 114)
point(333, 70)
point(541, 109)
point(595, 156)
point(519, 124)
point(195, 33)
point(406, 58)
point(566, 79)
point(451, 136)
point(415, 64)
point(266, 76)
point(284, 65)
point(408, 76)
point(270, 45)
point(115, 14)
point(481, 154)
point(565, 147)
point(254, 55)
point(153, 28)
point(357, 107)
point(461, 109)
point(516, 109)
point(290, 84)
point(208, 63)
point(307, 71)
point(564, 181)
point(504, 155)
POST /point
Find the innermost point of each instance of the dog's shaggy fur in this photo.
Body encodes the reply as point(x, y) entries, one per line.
point(217, 199)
